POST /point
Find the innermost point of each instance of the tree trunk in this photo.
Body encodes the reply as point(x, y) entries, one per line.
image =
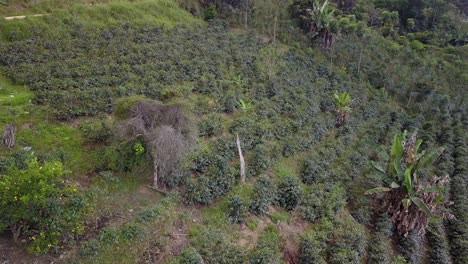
point(16, 231)
point(155, 176)
point(242, 162)
point(246, 14)
point(274, 26)
point(9, 136)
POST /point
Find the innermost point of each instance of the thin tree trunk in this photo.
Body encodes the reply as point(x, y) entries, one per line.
point(16, 231)
point(155, 176)
point(359, 63)
point(246, 14)
point(274, 26)
point(242, 162)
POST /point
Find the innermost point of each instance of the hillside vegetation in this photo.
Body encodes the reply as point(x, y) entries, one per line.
point(132, 121)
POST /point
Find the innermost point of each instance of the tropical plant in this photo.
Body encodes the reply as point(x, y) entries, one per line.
point(245, 106)
point(322, 22)
point(342, 102)
point(409, 203)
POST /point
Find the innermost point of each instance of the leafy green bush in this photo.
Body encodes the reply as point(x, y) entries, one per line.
point(125, 156)
point(96, 132)
point(268, 249)
point(264, 195)
point(210, 126)
point(236, 210)
point(308, 172)
point(190, 256)
point(323, 200)
point(378, 251)
point(439, 251)
point(411, 248)
point(313, 244)
point(260, 160)
point(289, 193)
point(38, 205)
point(216, 247)
point(210, 12)
point(348, 242)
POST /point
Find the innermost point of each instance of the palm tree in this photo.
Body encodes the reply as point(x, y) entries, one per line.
point(342, 108)
point(410, 204)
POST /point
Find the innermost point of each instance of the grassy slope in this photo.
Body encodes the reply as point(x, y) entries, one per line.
point(113, 205)
point(44, 135)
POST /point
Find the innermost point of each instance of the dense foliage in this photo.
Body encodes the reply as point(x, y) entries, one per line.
point(248, 70)
point(37, 204)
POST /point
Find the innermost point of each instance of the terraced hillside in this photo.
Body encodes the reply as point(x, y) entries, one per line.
point(130, 117)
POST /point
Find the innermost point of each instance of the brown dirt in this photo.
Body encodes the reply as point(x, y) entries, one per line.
point(17, 254)
point(170, 240)
point(290, 232)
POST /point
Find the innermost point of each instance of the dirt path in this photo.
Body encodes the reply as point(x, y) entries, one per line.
point(22, 17)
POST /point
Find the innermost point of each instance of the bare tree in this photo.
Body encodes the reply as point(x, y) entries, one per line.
point(9, 136)
point(167, 148)
point(166, 131)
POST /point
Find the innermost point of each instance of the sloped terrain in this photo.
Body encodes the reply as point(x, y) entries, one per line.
point(71, 86)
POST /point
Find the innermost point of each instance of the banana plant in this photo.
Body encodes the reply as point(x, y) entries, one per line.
point(401, 174)
point(245, 106)
point(342, 102)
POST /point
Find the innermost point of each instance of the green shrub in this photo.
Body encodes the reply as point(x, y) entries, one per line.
point(260, 161)
point(311, 250)
point(131, 232)
point(379, 250)
point(348, 242)
point(125, 156)
point(210, 12)
point(322, 201)
point(210, 126)
point(411, 248)
point(216, 247)
point(89, 248)
point(268, 249)
point(264, 194)
point(190, 256)
point(124, 105)
point(96, 132)
point(289, 193)
point(439, 250)
point(236, 210)
point(37, 204)
point(308, 172)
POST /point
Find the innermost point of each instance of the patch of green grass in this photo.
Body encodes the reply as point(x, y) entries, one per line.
point(58, 139)
point(164, 13)
point(252, 224)
point(133, 236)
point(283, 217)
point(286, 167)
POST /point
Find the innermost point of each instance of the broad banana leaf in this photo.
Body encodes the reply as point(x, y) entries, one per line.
point(381, 173)
point(409, 188)
point(400, 173)
point(428, 158)
point(377, 190)
point(397, 148)
point(422, 205)
point(433, 189)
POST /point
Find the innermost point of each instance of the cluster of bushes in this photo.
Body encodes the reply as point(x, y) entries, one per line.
point(37, 205)
point(343, 241)
point(268, 248)
point(130, 232)
point(215, 246)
